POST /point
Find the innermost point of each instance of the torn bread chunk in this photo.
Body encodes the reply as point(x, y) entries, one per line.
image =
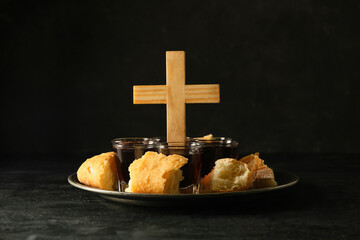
point(206, 137)
point(99, 171)
point(262, 175)
point(156, 173)
point(227, 175)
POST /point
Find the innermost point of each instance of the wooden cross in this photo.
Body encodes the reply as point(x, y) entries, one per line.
point(175, 94)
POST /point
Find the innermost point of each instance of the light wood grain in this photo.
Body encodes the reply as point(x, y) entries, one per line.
point(150, 94)
point(202, 93)
point(156, 94)
point(175, 96)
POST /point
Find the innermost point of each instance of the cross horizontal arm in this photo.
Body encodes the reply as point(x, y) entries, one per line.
point(202, 93)
point(150, 94)
point(156, 94)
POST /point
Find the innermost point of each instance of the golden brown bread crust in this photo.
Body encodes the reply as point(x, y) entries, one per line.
point(206, 182)
point(156, 173)
point(99, 171)
point(206, 137)
point(262, 175)
point(227, 175)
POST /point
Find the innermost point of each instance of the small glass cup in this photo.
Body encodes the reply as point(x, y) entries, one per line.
point(192, 150)
point(216, 148)
point(127, 150)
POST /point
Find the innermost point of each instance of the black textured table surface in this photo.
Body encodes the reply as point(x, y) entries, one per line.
point(38, 203)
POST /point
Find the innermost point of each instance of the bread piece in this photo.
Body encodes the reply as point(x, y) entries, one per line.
point(206, 137)
point(227, 175)
point(99, 171)
point(156, 173)
point(262, 175)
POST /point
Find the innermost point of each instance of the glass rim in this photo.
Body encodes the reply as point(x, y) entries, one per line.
point(188, 143)
point(217, 141)
point(212, 139)
point(133, 141)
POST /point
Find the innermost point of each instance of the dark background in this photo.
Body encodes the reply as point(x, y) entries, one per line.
point(288, 70)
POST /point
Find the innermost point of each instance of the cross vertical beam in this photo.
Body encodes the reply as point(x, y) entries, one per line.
point(175, 96)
